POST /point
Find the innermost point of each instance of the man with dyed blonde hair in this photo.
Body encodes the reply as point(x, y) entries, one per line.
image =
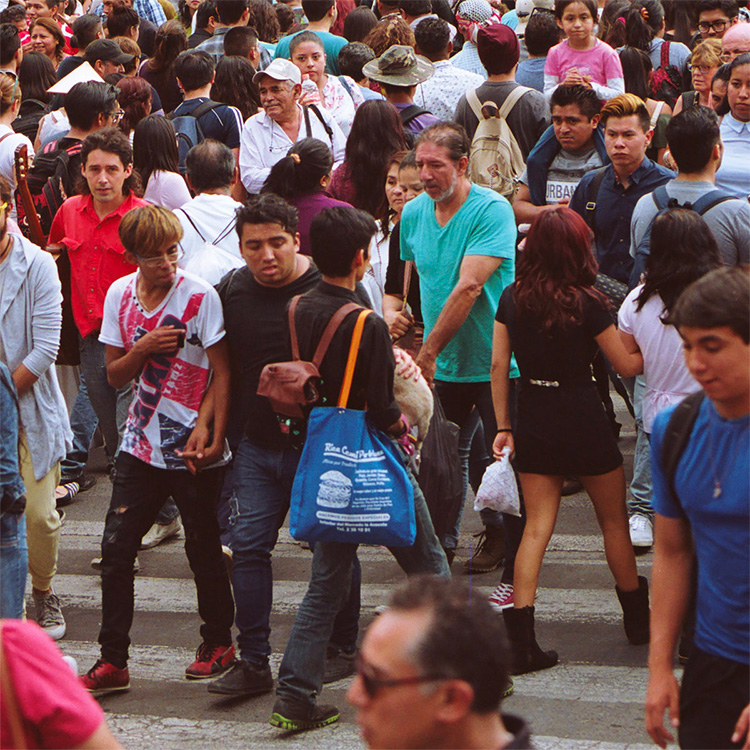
point(164, 330)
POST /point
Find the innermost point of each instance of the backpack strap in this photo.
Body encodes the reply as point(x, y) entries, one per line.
point(351, 362)
point(327, 336)
point(198, 112)
point(592, 195)
point(708, 201)
point(660, 197)
point(511, 100)
point(319, 115)
point(664, 61)
point(345, 84)
point(677, 436)
point(7, 135)
point(187, 216)
point(407, 114)
point(476, 106)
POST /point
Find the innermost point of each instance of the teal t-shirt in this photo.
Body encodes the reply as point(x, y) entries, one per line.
point(332, 45)
point(484, 225)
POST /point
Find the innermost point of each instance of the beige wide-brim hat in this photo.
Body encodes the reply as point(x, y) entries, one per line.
point(399, 65)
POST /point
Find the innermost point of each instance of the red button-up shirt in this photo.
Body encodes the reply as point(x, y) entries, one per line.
point(95, 252)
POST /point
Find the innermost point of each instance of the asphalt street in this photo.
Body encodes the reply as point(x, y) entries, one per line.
point(592, 701)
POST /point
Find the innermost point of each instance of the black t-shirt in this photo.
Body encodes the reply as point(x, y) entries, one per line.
point(257, 335)
point(563, 355)
point(394, 276)
point(372, 384)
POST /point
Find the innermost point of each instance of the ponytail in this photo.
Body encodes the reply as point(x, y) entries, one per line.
point(301, 170)
point(642, 23)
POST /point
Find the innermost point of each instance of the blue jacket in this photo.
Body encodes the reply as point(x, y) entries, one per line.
point(541, 156)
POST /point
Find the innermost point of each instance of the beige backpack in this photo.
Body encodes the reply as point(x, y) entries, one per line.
point(495, 160)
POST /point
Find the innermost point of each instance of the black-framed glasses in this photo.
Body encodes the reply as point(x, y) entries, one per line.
point(716, 26)
point(373, 685)
point(156, 260)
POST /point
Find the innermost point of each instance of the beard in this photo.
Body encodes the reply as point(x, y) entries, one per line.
point(448, 192)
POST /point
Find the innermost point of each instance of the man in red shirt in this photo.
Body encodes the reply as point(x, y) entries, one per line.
point(86, 226)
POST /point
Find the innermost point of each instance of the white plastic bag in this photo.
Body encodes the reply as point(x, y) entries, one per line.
point(499, 490)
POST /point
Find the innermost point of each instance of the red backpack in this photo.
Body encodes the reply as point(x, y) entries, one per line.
point(666, 80)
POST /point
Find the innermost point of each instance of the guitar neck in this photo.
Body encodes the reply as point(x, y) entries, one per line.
point(36, 233)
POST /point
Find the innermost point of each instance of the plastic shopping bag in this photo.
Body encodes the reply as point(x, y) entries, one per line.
point(499, 490)
point(351, 484)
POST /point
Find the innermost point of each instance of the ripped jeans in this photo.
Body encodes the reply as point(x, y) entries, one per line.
point(139, 492)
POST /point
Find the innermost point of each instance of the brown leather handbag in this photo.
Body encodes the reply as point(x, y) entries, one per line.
point(293, 388)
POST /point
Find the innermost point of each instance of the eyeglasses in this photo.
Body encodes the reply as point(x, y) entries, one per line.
point(373, 685)
point(116, 116)
point(172, 257)
point(717, 26)
point(705, 69)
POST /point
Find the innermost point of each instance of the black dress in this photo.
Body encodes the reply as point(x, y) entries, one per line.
point(563, 429)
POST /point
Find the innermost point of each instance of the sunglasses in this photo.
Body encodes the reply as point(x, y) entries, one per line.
point(373, 685)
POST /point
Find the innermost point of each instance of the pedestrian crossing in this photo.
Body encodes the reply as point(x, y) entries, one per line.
point(592, 701)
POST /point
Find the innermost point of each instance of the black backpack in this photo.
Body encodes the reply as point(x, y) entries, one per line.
point(407, 115)
point(188, 129)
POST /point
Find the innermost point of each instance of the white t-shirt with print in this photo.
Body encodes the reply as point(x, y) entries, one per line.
point(169, 389)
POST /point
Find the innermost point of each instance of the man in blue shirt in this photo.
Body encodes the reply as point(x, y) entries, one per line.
point(703, 510)
point(627, 135)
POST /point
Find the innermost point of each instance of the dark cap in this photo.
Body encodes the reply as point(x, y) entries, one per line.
point(106, 49)
point(498, 44)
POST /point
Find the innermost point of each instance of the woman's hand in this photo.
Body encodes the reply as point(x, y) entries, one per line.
point(406, 366)
point(503, 440)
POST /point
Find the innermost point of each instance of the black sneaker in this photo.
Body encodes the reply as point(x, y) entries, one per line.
point(339, 664)
point(243, 680)
point(295, 717)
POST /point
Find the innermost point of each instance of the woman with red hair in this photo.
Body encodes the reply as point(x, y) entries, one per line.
point(553, 320)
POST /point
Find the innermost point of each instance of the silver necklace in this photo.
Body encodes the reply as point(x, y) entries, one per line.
point(717, 481)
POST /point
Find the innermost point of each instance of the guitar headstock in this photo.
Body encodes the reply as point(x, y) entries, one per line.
point(21, 158)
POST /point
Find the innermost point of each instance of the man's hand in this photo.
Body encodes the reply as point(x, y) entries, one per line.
point(399, 323)
point(406, 366)
point(161, 340)
point(663, 694)
point(427, 365)
point(198, 451)
point(742, 729)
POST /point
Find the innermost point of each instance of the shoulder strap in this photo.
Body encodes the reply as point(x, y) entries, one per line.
point(308, 127)
point(664, 61)
point(351, 362)
point(293, 327)
point(187, 216)
point(345, 84)
point(593, 193)
point(204, 107)
point(407, 114)
point(407, 281)
point(473, 101)
point(511, 100)
point(677, 435)
point(330, 330)
point(7, 135)
point(706, 202)
point(319, 115)
point(661, 198)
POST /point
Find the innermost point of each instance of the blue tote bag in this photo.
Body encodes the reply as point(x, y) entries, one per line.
point(351, 484)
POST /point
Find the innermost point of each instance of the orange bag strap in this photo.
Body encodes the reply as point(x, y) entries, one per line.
point(346, 384)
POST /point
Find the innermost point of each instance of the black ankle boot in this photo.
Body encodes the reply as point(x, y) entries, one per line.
point(635, 612)
point(527, 655)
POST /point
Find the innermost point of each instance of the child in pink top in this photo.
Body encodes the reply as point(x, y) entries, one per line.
point(582, 58)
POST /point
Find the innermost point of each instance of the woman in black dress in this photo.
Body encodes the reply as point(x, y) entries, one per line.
point(553, 320)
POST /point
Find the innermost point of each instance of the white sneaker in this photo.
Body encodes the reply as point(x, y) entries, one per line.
point(159, 533)
point(49, 615)
point(641, 531)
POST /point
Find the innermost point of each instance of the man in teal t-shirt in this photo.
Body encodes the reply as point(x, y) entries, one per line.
point(321, 15)
point(461, 238)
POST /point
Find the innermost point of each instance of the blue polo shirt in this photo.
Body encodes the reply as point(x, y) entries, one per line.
point(614, 209)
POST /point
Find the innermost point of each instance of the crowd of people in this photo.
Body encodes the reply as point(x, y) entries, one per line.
point(540, 202)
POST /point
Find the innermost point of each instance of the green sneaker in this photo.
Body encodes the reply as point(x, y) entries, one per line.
point(295, 717)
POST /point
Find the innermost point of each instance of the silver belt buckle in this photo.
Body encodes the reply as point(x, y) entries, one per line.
point(545, 383)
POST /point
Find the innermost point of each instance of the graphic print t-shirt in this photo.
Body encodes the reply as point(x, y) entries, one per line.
point(169, 388)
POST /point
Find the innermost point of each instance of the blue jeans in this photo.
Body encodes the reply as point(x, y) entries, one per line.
point(641, 487)
point(13, 564)
point(83, 422)
point(263, 481)
point(303, 665)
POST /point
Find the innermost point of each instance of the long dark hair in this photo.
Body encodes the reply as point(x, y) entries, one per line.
point(291, 177)
point(376, 134)
point(557, 271)
point(682, 250)
point(171, 39)
point(154, 147)
point(36, 74)
point(642, 23)
point(134, 97)
point(636, 68)
point(234, 85)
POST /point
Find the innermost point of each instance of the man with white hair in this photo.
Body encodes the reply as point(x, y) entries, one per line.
point(268, 135)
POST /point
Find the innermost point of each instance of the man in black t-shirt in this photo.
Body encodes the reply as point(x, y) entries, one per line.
point(340, 239)
point(255, 300)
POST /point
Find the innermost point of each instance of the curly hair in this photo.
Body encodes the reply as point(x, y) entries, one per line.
point(391, 30)
point(264, 20)
point(551, 287)
point(134, 97)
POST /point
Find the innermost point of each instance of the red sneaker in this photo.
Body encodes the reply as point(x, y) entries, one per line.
point(210, 661)
point(104, 677)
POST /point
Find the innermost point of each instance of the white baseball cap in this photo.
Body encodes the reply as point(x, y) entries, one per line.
point(524, 9)
point(280, 70)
